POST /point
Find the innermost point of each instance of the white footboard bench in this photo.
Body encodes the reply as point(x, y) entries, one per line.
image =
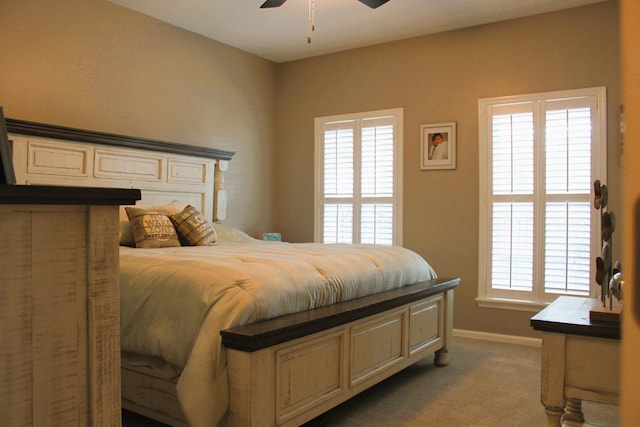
point(288, 370)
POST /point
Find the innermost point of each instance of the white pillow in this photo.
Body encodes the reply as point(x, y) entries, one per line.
point(229, 234)
point(176, 206)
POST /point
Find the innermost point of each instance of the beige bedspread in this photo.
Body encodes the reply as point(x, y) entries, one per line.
point(175, 301)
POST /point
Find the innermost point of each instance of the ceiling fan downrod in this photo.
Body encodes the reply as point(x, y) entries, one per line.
point(312, 19)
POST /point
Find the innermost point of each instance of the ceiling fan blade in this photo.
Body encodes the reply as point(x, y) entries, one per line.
point(272, 3)
point(373, 3)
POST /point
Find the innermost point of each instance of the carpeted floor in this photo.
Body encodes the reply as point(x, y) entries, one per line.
point(485, 384)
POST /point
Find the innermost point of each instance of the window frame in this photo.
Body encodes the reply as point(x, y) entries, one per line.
point(319, 199)
point(537, 298)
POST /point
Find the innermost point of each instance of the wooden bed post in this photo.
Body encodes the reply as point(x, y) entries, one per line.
point(220, 195)
point(441, 357)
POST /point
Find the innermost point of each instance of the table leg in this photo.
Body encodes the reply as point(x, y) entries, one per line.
point(552, 377)
point(573, 411)
point(554, 415)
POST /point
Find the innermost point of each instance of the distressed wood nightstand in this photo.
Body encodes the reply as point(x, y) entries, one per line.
point(60, 308)
point(580, 359)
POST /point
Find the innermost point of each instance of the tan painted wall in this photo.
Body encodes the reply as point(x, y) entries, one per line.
point(94, 65)
point(435, 79)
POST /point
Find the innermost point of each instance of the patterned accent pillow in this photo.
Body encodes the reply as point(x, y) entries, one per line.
point(152, 228)
point(125, 232)
point(193, 228)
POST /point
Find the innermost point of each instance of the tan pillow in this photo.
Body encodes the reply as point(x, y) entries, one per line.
point(125, 233)
point(152, 228)
point(193, 228)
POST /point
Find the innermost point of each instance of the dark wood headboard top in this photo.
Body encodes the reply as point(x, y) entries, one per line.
point(70, 134)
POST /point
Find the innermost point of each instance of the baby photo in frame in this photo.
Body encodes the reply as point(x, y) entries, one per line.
point(438, 146)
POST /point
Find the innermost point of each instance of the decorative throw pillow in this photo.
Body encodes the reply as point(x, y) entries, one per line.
point(193, 228)
point(152, 228)
point(125, 233)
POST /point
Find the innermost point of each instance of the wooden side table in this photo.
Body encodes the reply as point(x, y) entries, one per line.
point(580, 358)
point(59, 305)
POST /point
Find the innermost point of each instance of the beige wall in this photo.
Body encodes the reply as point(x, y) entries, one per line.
point(435, 79)
point(94, 65)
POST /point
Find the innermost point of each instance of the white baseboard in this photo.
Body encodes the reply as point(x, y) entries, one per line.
point(487, 336)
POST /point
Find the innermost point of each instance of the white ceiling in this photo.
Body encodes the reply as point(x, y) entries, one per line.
point(280, 34)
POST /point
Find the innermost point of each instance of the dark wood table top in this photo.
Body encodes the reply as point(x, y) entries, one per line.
point(60, 195)
point(570, 315)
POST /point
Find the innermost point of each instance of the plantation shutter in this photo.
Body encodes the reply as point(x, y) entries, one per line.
point(376, 225)
point(568, 192)
point(513, 198)
point(359, 180)
point(542, 161)
point(338, 182)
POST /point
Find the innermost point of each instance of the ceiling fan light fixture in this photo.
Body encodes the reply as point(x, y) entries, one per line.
point(272, 3)
point(373, 4)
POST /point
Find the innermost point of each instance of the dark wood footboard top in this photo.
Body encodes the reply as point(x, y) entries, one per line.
point(264, 334)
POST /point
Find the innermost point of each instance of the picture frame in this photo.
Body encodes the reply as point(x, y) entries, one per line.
point(438, 146)
point(7, 173)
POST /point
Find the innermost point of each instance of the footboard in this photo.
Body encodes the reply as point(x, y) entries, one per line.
point(289, 370)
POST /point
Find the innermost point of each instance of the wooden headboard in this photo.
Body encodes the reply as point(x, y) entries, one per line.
point(163, 171)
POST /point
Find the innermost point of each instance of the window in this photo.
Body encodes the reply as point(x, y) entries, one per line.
point(358, 179)
point(539, 157)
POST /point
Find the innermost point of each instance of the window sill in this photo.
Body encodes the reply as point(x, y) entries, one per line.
point(511, 304)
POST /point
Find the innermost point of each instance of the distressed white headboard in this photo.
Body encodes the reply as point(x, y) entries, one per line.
point(163, 171)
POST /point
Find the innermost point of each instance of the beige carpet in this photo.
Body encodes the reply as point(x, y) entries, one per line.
point(485, 384)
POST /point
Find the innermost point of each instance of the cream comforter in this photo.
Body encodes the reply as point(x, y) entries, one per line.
point(175, 301)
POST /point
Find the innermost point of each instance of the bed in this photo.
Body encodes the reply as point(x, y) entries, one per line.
point(228, 333)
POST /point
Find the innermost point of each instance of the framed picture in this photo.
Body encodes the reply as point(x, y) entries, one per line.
point(438, 146)
point(7, 174)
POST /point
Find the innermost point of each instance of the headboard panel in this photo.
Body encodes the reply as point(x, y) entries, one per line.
point(163, 171)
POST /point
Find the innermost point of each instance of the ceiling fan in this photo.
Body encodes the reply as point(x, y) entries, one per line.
point(371, 3)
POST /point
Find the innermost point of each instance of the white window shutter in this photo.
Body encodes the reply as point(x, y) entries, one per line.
point(541, 153)
point(358, 199)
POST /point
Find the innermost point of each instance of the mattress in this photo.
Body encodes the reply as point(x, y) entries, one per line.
point(175, 301)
